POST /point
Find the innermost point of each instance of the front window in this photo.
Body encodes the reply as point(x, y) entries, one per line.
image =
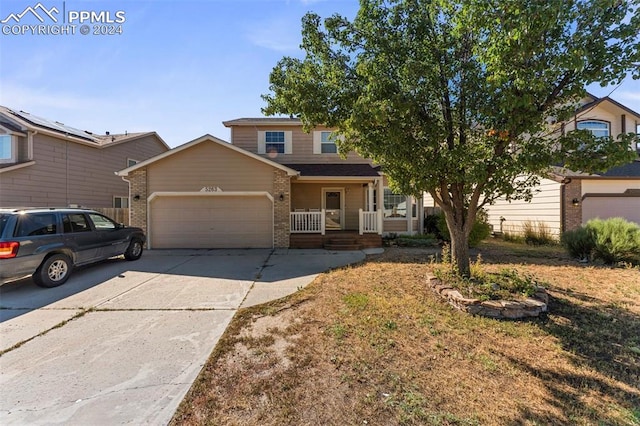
point(274, 142)
point(327, 143)
point(395, 205)
point(599, 129)
point(7, 149)
point(131, 162)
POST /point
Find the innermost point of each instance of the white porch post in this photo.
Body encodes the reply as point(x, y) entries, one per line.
point(420, 208)
point(370, 197)
point(409, 211)
point(379, 184)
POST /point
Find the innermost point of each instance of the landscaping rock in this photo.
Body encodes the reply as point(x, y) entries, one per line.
point(499, 309)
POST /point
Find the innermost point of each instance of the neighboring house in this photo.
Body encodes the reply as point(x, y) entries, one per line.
point(566, 199)
point(46, 163)
point(272, 186)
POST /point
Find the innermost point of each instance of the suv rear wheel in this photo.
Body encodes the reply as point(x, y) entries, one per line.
point(54, 271)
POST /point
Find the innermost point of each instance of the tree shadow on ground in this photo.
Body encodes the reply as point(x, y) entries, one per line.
point(601, 338)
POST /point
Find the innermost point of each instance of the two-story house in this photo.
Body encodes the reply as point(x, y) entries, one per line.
point(273, 186)
point(45, 163)
point(567, 199)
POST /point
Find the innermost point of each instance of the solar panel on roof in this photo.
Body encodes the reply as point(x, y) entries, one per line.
point(53, 125)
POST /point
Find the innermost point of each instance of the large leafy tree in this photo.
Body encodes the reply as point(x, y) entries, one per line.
point(461, 98)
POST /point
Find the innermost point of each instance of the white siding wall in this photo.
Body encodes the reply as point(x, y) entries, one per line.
point(544, 207)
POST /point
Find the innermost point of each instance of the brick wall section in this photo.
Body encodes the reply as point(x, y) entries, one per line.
point(572, 214)
point(138, 208)
point(281, 209)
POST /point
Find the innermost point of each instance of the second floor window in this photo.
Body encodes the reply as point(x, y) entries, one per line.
point(327, 143)
point(599, 129)
point(274, 142)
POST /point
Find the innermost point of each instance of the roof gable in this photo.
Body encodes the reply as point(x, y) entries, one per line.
point(204, 139)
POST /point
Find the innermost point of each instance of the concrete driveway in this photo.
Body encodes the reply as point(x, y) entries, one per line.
point(121, 342)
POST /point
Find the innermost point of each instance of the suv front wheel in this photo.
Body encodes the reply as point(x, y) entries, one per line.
point(54, 271)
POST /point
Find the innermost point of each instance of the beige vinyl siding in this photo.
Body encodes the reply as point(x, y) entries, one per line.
point(309, 196)
point(211, 221)
point(396, 225)
point(609, 186)
point(70, 173)
point(544, 207)
point(209, 165)
point(246, 137)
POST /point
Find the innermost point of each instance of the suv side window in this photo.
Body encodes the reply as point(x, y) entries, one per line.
point(75, 222)
point(102, 222)
point(36, 224)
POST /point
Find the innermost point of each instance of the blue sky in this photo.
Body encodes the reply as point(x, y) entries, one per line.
point(179, 67)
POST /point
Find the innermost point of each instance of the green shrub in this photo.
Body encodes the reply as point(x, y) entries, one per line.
point(537, 234)
point(579, 243)
point(615, 240)
point(480, 230)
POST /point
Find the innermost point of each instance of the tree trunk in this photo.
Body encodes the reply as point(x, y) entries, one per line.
point(460, 251)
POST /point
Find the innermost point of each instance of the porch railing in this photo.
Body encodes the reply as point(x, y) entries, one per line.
point(307, 222)
point(370, 222)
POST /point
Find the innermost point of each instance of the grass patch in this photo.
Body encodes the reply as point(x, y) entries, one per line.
point(370, 344)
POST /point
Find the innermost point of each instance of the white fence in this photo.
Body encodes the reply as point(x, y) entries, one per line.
point(307, 222)
point(370, 222)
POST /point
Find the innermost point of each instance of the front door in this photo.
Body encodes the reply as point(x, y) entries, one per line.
point(333, 204)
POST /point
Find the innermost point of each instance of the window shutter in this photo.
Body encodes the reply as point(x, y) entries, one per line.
point(317, 142)
point(261, 142)
point(288, 142)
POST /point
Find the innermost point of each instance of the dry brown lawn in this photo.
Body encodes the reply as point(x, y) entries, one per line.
point(369, 344)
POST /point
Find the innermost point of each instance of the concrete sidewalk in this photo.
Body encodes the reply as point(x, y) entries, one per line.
point(121, 342)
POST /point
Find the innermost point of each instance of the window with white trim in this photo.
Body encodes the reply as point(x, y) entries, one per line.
point(599, 129)
point(327, 143)
point(131, 162)
point(8, 149)
point(121, 202)
point(274, 142)
point(395, 205)
point(324, 142)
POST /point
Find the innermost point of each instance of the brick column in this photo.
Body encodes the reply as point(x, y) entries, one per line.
point(138, 215)
point(281, 209)
point(572, 213)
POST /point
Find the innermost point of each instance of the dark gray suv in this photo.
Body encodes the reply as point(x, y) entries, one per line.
point(49, 242)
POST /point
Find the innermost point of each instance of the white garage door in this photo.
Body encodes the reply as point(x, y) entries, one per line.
point(211, 221)
point(606, 207)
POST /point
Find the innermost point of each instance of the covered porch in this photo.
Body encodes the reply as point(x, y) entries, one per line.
point(335, 202)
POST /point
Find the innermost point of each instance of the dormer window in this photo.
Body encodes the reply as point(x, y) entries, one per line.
point(599, 129)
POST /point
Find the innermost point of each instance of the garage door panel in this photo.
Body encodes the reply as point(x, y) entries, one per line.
point(211, 222)
point(606, 207)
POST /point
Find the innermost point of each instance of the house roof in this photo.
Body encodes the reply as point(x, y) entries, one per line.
point(274, 121)
point(335, 170)
point(629, 170)
point(201, 139)
point(597, 101)
point(20, 121)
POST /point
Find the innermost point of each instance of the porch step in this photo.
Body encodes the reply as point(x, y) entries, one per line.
point(342, 244)
point(335, 241)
